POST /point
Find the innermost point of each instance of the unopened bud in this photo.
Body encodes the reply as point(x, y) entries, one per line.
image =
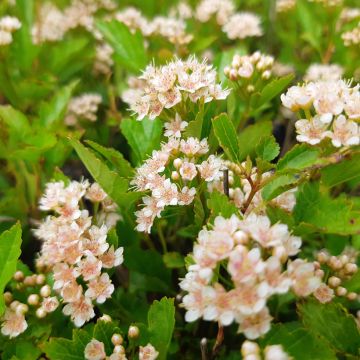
point(241, 237)
point(233, 75)
point(117, 339)
point(33, 299)
point(30, 280)
point(334, 281)
point(14, 305)
point(133, 332)
point(227, 70)
point(352, 296)
point(249, 348)
point(344, 259)
point(340, 291)
point(175, 176)
point(350, 268)
point(335, 263)
point(177, 163)
point(22, 309)
point(18, 276)
point(250, 88)
point(105, 318)
point(45, 291)
point(266, 74)
point(40, 313)
point(252, 357)
point(322, 257)
point(119, 349)
point(320, 273)
point(8, 297)
point(40, 279)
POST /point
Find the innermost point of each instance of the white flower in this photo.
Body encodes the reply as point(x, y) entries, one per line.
point(100, 288)
point(13, 323)
point(80, 311)
point(311, 131)
point(95, 350)
point(344, 132)
point(188, 170)
point(176, 127)
point(148, 352)
point(254, 326)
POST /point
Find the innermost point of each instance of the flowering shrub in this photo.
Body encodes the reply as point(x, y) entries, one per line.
point(179, 179)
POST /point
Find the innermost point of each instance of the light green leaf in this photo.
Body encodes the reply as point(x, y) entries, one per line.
point(250, 137)
point(277, 186)
point(116, 158)
point(299, 343)
point(267, 149)
point(15, 120)
point(52, 113)
point(161, 322)
point(346, 170)
point(128, 47)
point(10, 243)
point(60, 348)
point(332, 323)
point(219, 204)
point(299, 157)
point(226, 135)
point(143, 136)
point(328, 215)
point(271, 90)
point(114, 185)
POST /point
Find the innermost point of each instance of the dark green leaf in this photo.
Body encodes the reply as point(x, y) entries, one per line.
point(299, 157)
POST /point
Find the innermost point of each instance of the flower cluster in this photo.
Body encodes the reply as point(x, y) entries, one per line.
point(182, 158)
point(75, 247)
point(251, 351)
point(166, 86)
point(285, 5)
point(222, 10)
point(255, 255)
point(250, 68)
point(8, 24)
point(103, 59)
point(40, 302)
point(338, 270)
point(243, 25)
point(352, 37)
point(331, 108)
point(95, 349)
point(83, 107)
point(53, 23)
point(323, 72)
point(171, 28)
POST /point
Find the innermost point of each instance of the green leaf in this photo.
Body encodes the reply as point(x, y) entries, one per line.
point(114, 185)
point(328, 215)
point(52, 113)
point(299, 157)
point(271, 90)
point(161, 322)
point(226, 135)
point(346, 170)
point(115, 157)
point(219, 204)
point(295, 339)
point(20, 349)
point(173, 260)
point(267, 149)
point(332, 323)
point(250, 137)
point(15, 120)
point(10, 243)
point(280, 184)
point(103, 331)
point(143, 136)
point(60, 348)
point(128, 47)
